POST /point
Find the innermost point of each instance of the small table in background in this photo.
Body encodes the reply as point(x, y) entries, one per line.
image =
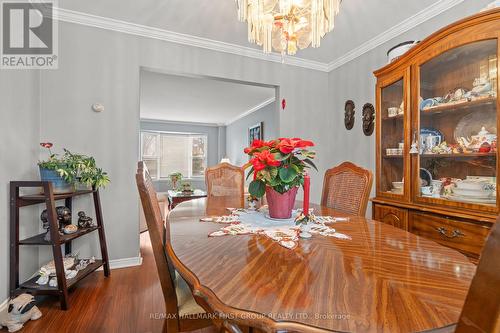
point(176, 197)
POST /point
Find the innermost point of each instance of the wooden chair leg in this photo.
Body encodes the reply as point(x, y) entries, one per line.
point(230, 327)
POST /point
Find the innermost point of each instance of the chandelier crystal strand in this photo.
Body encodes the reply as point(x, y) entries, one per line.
point(268, 33)
point(242, 9)
point(287, 25)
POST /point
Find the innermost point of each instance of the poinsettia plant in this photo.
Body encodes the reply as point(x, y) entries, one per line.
point(279, 164)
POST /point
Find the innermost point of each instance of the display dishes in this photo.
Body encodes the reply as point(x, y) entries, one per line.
point(474, 191)
point(397, 187)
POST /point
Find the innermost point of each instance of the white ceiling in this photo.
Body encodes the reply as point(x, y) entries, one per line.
point(358, 21)
point(202, 100)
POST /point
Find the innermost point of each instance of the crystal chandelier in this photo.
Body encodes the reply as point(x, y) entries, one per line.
point(287, 25)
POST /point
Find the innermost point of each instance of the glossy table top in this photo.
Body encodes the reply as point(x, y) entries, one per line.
point(383, 280)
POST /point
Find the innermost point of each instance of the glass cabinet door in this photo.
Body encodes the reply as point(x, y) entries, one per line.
point(392, 168)
point(457, 139)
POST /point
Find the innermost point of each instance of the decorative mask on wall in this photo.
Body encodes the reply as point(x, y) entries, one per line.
point(349, 114)
point(368, 119)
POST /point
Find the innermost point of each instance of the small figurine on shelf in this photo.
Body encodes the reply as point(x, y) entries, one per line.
point(63, 219)
point(84, 221)
point(414, 145)
point(19, 311)
point(70, 229)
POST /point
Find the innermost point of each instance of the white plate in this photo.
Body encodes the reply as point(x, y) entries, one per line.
point(471, 200)
point(473, 194)
point(472, 185)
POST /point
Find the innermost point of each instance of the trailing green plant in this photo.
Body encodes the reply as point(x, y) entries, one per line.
point(75, 168)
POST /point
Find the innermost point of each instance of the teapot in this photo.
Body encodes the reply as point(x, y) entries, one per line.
point(484, 136)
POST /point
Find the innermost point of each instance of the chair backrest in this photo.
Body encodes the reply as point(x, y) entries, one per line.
point(157, 231)
point(347, 188)
point(481, 311)
point(225, 180)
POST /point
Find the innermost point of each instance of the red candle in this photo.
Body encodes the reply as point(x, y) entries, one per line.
point(307, 186)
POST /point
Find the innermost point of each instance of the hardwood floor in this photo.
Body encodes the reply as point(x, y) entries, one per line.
point(127, 302)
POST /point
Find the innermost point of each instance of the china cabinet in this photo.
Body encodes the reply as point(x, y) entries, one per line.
point(437, 120)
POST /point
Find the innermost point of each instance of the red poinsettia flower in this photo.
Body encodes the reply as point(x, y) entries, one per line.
point(257, 165)
point(299, 143)
point(286, 146)
point(47, 145)
point(270, 143)
point(256, 144)
point(263, 159)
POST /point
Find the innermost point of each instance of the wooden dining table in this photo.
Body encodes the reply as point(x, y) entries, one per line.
point(383, 279)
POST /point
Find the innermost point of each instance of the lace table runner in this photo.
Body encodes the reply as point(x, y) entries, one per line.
point(285, 232)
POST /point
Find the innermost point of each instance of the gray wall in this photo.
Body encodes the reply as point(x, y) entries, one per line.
point(215, 151)
point(19, 149)
point(237, 132)
point(103, 66)
point(355, 80)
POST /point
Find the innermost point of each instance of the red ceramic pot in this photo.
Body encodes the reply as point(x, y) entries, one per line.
point(280, 205)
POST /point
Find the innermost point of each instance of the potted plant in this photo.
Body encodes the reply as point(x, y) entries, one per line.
point(174, 178)
point(70, 170)
point(278, 168)
point(186, 188)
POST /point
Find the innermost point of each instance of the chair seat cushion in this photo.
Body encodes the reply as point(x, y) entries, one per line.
point(185, 300)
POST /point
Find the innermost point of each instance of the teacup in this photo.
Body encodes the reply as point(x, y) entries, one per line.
point(392, 112)
point(426, 190)
point(437, 186)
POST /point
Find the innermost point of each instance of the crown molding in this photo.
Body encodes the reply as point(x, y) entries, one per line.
point(422, 16)
point(252, 110)
point(107, 23)
point(177, 122)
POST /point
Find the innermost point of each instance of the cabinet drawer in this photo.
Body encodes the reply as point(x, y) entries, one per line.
point(397, 217)
point(461, 235)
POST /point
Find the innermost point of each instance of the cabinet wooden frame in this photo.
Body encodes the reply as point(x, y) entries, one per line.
point(478, 28)
point(384, 82)
point(429, 53)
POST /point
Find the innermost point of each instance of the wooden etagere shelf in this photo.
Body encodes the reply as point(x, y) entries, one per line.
point(445, 90)
point(48, 198)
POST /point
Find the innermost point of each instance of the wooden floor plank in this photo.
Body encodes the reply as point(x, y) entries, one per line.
point(124, 303)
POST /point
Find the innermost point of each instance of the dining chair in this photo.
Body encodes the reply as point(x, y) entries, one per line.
point(481, 311)
point(347, 188)
point(182, 311)
point(225, 180)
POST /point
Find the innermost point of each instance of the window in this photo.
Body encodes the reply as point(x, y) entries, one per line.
point(166, 153)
